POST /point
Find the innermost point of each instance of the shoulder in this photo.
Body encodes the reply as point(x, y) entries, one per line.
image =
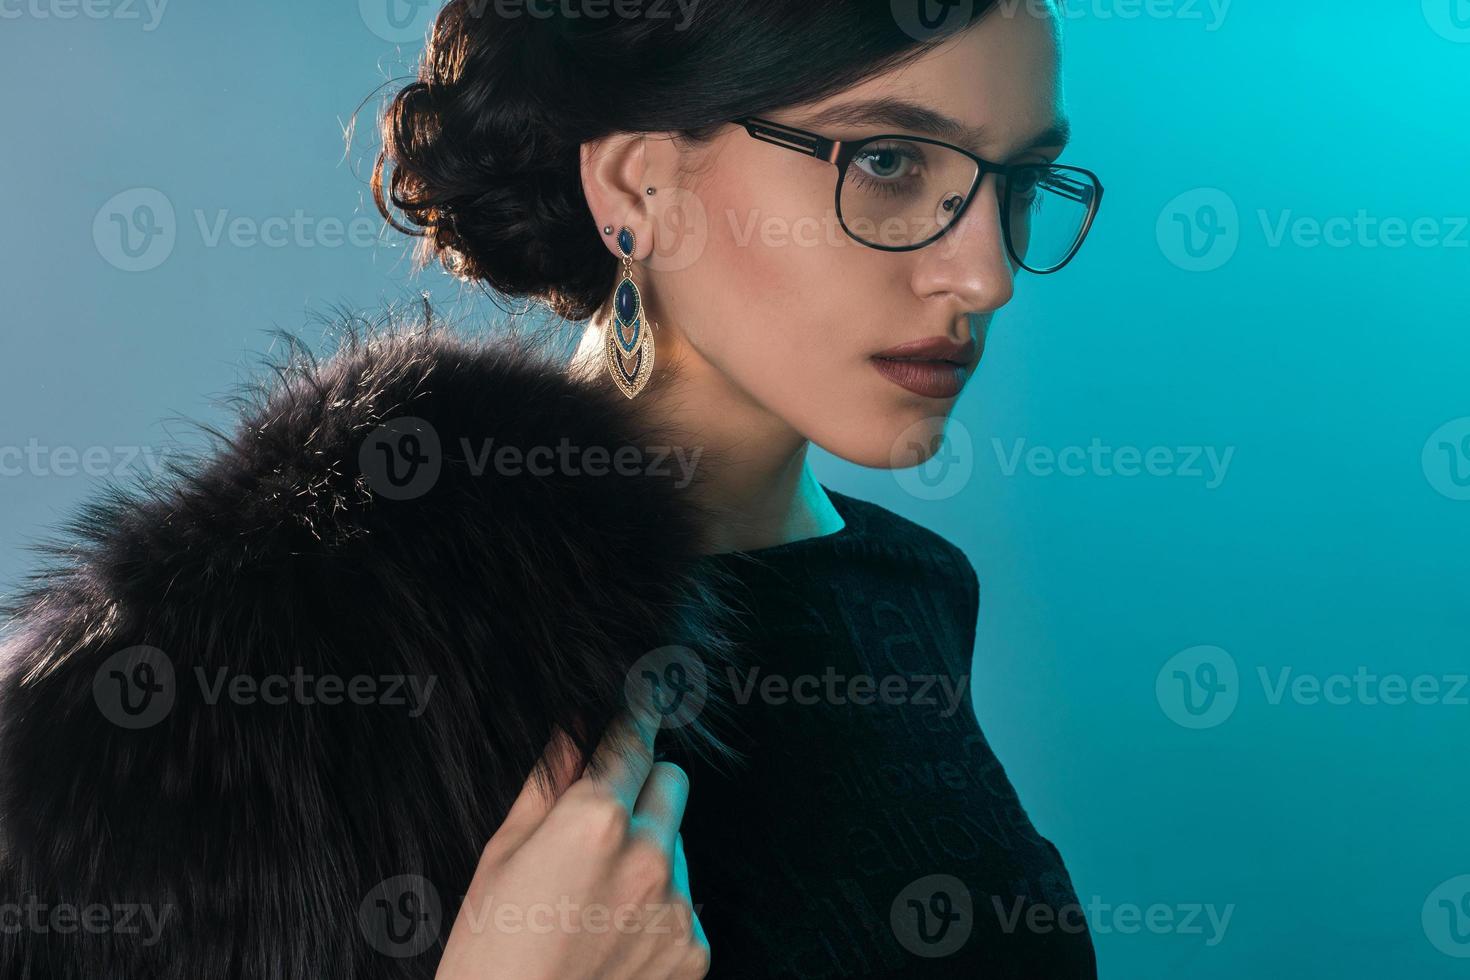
point(871, 522)
point(324, 654)
point(890, 568)
point(938, 562)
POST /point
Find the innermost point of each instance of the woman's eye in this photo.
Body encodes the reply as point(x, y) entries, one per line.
point(1024, 182)
point(886, 163)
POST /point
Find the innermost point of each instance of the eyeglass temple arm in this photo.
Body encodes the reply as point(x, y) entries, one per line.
point(1065, 186)
point(792, 139)
point(824, 149)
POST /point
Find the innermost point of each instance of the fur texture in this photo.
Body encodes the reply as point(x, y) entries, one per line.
point(252, 839)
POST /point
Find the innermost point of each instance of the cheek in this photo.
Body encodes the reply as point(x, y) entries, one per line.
point(778, 285)
point(789, 310)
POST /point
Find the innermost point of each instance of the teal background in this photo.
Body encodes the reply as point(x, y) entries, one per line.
point(1336, 540)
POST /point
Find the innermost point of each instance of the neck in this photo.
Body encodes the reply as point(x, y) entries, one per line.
point(754, 478)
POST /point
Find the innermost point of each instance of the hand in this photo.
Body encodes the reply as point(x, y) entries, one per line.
point(588, 881)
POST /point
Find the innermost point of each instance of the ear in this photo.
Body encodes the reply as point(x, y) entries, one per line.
point(617, 171)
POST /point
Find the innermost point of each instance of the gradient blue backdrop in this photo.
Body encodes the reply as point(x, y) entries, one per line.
point(1204, 312)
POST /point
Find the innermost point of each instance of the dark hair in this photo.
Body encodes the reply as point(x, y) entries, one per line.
point(481, 152)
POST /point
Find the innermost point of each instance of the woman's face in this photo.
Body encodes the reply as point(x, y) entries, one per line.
point(770, 298)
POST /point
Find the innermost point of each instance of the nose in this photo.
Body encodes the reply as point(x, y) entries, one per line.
point(969, 264)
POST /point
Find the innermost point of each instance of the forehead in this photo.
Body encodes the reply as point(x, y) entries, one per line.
point(1001, 77)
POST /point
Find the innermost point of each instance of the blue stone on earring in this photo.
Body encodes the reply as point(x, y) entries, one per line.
point(625, 242)
point(628, 307)
point(627, 301)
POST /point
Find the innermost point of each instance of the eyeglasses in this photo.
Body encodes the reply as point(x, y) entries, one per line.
point(899, 193)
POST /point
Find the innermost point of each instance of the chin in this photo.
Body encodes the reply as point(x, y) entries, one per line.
point(892, 440)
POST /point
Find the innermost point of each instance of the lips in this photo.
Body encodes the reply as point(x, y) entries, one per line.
point(933, 349)
point(935, 367)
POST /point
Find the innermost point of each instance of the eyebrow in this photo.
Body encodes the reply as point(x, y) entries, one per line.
point(913, 117)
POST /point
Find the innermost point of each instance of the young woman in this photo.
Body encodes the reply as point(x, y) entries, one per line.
point(375, 688)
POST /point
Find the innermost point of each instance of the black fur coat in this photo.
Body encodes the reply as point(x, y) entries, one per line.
point(261, 711)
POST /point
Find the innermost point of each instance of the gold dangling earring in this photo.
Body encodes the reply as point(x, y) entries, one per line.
point(630, 336)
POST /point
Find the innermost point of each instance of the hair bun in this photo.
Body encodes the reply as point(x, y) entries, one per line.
point(475, 164)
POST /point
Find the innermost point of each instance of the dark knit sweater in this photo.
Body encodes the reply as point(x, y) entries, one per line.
point(873, 832)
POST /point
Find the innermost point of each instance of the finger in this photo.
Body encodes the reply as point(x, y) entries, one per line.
point(681, 866)
point(557, 769)
point(681, 884)
point(660, 806)
point(699, 936)
point(624, 758)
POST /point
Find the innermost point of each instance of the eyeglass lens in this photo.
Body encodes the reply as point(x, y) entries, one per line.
point(898, 193)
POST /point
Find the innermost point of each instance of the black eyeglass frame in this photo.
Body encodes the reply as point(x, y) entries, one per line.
point(841, 153)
